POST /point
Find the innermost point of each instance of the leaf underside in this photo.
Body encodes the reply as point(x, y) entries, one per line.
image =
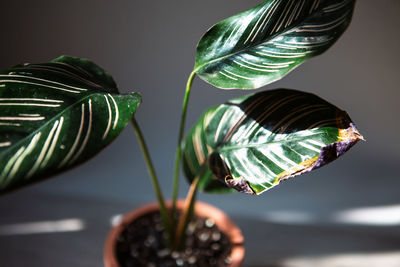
point(56, 115)
point(252, 143)
point(263, 44)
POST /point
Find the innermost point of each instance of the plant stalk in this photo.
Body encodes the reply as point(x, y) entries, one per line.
point(179, 147)
point(187, 214)
point(153, 177)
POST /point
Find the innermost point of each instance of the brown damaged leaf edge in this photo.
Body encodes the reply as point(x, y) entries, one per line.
point(347, 134)
point(239, 184)
point(222, 172)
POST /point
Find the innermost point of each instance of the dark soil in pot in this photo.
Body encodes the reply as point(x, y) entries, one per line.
point(143, 243)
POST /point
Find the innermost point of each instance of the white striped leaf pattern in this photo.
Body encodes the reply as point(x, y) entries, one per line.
point(56, 115)
point(263, 44)
point(252, 143)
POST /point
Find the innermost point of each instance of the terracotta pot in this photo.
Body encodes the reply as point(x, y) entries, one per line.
point(202, 210)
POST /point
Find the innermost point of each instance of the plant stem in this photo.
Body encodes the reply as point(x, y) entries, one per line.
point(187, 213)
point(150, 168)
point(179, 147)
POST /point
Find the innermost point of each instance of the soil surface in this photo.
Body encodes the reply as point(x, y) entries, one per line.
point(143, 243)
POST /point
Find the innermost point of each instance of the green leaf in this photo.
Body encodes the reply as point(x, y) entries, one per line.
point(56, 115)
point(252, 143)
point(263, 44)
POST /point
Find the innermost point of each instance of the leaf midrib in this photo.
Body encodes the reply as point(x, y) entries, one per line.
point(284, 31)
point(229, 148)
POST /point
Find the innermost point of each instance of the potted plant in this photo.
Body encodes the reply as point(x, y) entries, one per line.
point(57, 115)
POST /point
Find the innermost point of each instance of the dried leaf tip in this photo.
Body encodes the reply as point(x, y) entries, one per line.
point(350, 134)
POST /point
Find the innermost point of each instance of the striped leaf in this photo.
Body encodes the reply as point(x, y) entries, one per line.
point(254, 142)
point(263, 44)
point(56, 115)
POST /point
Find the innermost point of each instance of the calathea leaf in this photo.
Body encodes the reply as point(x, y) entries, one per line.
point(254, 142)
point(263, 44)
point(55, 115)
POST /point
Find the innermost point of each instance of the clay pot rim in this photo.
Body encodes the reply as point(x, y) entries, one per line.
point(202, 209)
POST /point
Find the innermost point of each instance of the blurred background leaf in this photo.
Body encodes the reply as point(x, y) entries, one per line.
point(56, 115)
